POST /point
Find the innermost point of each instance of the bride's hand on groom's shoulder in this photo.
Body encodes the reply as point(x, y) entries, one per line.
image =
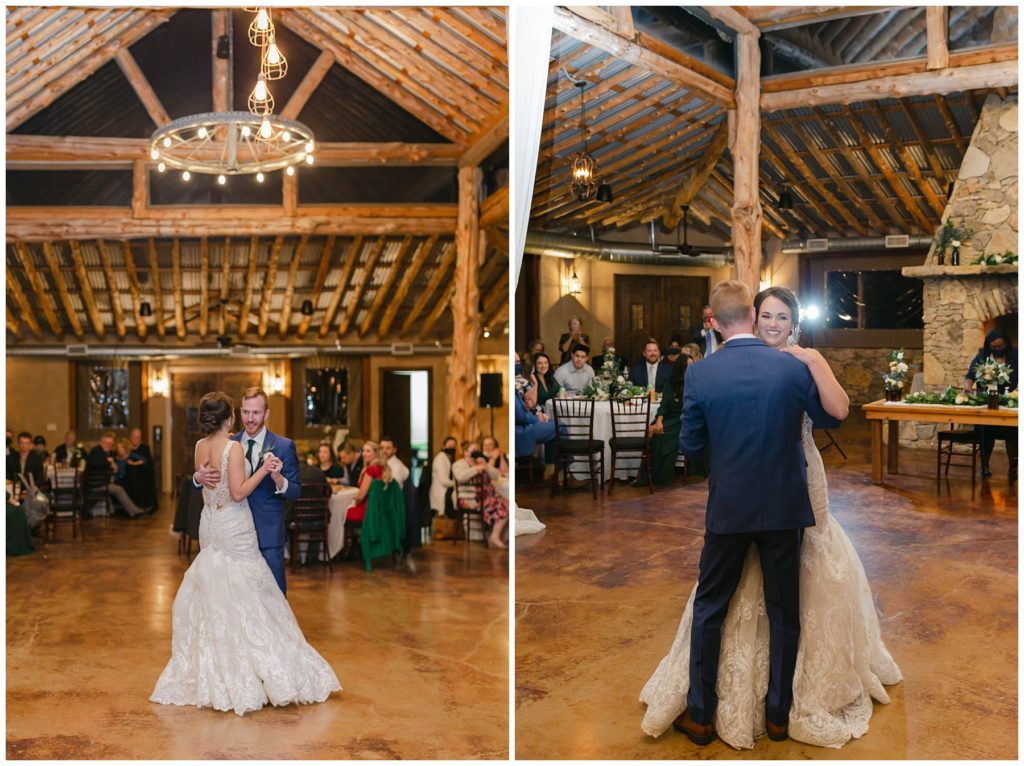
point(805, 355)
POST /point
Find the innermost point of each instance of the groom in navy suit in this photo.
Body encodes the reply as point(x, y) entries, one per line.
point(266, 501)
point(746, 404)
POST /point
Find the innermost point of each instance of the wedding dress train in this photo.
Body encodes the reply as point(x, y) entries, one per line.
point(842, 663)
point(236, 644)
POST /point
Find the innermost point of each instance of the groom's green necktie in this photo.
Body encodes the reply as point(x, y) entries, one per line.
point(248, 456)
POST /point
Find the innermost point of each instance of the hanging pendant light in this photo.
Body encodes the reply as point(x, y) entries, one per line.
point(584, 167)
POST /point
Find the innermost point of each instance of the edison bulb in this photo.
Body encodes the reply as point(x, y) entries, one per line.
point(309, 147)
point(273, 54)
point(309, 159)
point(259, 177)
point(185, 176)
point(265, 130)
point(167, 141)
point(153, 154)
point(291, 170)
point(161, 167)
point(221, 179)
point(262, 20)
point(260, 91)
point(245, 131)
point(202, 132)
point(286, 136)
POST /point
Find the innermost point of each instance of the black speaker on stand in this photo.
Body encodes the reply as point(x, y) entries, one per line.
point(490, 393)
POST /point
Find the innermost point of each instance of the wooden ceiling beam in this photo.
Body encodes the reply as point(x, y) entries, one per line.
point(691, 185)
point(937, 204)
point(114, 293)
point(245, 313)
point(101, 153)
point(938, 171)
point(141, 330)
point(391, 85)
point(488, 137)
point(419, 258)
point(268, 285)
point(496, 299)
point(158, 298)
point(780, 168)
point(176, 281)
point(13, 326)
point(27, 314)
point(494, 209)
point(225, 287)
point(204, 287)
point(350, 261)
point(34, 224)
point(86, 289)
point(959, 139)
point(289, 290)
point(444, 304)
point(732, 18)
point(450, 17)
point(937, 26)
point(929, 83)
point(318, 284)
point(357, 295)
point(405, 253)
point(142, 88)
point(309, 83)
point(623, 49)
point(771, 18)
point(49, 90)
point(50, 256)
point(447, 259)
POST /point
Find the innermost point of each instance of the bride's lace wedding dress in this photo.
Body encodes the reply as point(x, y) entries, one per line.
point(841, 663)
point(235, 643)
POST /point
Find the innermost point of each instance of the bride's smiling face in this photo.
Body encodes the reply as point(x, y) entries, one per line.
point(774, 322)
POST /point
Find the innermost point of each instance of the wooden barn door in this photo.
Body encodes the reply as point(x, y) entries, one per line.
point(655, 306)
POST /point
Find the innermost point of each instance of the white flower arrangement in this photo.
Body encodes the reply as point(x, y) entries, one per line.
point(992, 373)
point(898, 368)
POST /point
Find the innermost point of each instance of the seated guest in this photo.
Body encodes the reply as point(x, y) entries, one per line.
point(441, 481)
point(536, 347)
point(100, 461)
point(997, 346)
point(141, 473)
point(375, 468)
point(26, 461)
point(576, 374)
point(664, 432)
point(495, 457)
point(351, 464)
point(675, 342)
point(389, 452)
point(495, 507)
point(39, 446)
point(569, 340)
point(531, 429)
point(691, 352)
point(546, 385)
point(649, 372)
point(607, 352)
point(69, 453)
point(329, 469)
point(705, 336)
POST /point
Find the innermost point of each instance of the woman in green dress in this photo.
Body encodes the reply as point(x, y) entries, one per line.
point(547, 386)
point(665, 430)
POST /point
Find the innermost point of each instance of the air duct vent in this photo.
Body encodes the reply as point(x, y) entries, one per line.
point(897, 240)
point(240, 350)
point(817, 245)
point(77, 349)
point(401, 349)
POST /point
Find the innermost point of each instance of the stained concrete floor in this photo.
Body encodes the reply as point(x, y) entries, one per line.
point(422, 657)
point(599, 594)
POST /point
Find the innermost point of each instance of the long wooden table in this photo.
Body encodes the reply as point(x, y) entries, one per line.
point(893, 412)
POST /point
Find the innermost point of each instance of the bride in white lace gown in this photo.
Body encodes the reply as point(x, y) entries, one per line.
point(236, 644)
point(842, 663)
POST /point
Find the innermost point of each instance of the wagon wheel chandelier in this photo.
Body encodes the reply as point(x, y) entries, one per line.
point(238, 143)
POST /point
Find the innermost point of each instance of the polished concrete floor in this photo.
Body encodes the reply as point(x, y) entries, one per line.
point(422, 657)
point(599, 594)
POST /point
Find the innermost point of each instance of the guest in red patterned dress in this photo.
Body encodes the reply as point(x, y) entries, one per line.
point(495, 507)
point(375, 468)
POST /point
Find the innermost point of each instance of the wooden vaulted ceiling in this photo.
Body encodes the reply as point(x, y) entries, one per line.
point(402, 98)
point(868, 168)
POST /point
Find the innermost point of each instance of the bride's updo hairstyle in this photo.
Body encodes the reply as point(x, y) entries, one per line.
point(214, 409)
point(787, 296)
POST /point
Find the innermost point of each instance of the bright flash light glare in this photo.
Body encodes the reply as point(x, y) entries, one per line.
point(812, 312)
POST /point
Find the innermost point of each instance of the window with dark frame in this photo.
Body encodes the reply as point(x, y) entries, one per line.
point(326, 396)
point(873, 300)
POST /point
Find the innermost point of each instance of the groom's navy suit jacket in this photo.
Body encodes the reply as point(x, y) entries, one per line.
point(746, 403)
point(267, 506)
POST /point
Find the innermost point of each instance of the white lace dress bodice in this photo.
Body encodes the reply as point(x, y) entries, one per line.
point(842, 663)
point(236, 644)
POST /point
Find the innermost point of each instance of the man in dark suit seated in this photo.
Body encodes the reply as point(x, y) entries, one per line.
point(26, 461)
point(100, 461)
point(650, 372)
point(706, 336)
point(69, 453)
point(351, 462)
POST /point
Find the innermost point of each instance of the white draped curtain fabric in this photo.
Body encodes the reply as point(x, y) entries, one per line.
point(530, 33)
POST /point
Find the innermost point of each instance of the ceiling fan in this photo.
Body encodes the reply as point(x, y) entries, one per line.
point(694, 251)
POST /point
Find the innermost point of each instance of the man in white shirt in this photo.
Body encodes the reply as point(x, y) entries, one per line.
point(398, 470)
point(576, 374)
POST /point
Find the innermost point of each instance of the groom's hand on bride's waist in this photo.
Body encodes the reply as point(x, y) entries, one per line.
point(206, 476)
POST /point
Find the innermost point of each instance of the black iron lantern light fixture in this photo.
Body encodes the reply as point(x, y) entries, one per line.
point(307, 308)
point(785, 199)
point(584, 168)
point(145, 309)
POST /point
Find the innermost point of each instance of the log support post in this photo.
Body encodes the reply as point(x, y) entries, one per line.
point(746, 148)
point(462, 388)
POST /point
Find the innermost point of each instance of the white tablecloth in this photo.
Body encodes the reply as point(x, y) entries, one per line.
point(339, 504)
point(628, 465)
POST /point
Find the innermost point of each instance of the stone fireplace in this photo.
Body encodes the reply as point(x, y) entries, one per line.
point(961, 302)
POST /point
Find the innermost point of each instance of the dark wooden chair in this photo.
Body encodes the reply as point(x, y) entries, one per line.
point(188, 513)
point(470, 506)
point(310, 516)
point(95, 491)
point(575, 442)
point(630, 419)
point(66, 503)
point(958, 436)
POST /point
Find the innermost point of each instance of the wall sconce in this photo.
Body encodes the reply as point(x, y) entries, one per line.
point(274, 380)
point(159, 383)
point(574, 283)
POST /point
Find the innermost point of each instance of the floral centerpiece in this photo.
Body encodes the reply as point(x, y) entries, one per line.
point(612, 365)
point(964, 398)
point(996, 259)
point(605, 387)
point(894, 379)
point(992, 375)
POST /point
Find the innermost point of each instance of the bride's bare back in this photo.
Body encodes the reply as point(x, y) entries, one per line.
point(210, 450)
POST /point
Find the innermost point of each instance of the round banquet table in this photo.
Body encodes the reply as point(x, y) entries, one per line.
point(341, 499)
point(628, 465)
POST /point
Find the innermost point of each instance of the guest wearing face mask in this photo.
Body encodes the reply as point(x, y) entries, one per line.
point(441, 481)
point(998, 346)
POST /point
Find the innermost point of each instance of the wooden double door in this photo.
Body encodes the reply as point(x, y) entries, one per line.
point(655, 306)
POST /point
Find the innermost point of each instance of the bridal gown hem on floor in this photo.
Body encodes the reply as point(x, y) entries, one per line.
point(842, 663)
point(236, 644)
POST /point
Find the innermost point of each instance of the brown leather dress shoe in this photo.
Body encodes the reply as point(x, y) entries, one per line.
point(777, 733)
point(699, 734)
